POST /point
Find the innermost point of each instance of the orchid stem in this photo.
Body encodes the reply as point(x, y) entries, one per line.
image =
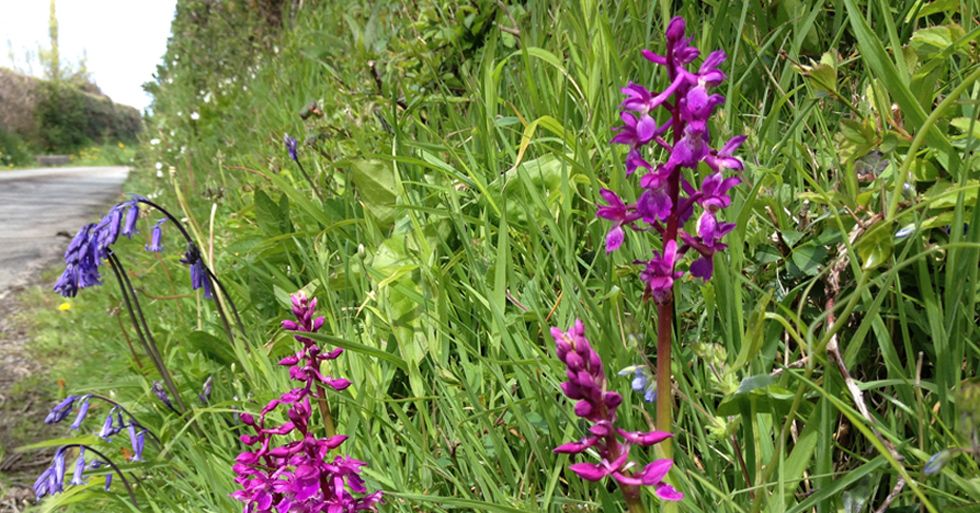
point(665, 313)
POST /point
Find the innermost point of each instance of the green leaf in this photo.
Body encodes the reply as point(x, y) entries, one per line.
point(821, 76)
point(375, 182)
point(808, 258)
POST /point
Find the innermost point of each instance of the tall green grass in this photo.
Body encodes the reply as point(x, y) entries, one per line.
point(458, 225)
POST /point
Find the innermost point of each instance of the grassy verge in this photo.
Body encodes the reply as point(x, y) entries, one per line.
point(447, 221)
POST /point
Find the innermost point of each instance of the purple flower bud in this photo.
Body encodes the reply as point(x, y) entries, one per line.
point(675, 29)
point(61, 410)
point(291, 144)
point(161, 394)
point(205, 394)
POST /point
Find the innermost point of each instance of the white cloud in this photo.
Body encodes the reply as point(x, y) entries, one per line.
point(124, 40)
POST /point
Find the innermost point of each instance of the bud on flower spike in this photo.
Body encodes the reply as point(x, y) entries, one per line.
point(587, 384)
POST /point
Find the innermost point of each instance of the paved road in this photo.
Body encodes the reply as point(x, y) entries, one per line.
point(37, 204)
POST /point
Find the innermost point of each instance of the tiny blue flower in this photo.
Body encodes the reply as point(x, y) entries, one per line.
point(937, 462)
point(642, 381)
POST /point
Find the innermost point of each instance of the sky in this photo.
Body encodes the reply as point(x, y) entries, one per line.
point(123, 40)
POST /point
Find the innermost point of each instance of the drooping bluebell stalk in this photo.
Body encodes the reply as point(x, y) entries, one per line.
point(52, 479)
point(143, 333)
point(92, 243)
point(669, 196)
point(115, 420)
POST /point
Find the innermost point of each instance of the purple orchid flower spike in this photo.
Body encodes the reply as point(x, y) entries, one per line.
point(297, 475)
point(586, 384)
point(674, 120)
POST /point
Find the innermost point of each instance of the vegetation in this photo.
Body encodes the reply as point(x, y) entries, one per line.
point(452, 156)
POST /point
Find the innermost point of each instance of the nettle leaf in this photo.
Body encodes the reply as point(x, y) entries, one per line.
point(821, 76)
point(375, 182)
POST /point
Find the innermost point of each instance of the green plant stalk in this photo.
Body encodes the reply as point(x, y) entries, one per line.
point(665, 313)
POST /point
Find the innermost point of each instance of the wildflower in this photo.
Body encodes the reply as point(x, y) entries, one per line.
point(291, 143)
point(61, 410)
point(64, 306)
point(642, 381)
point(155, 244)
point(938, 461)
point(199, 276)
point(82, 413)
point(659, 274)
point(161, 394)
point(296, 475)
point(76, 479)
point(587, 384)
point(617, 212)
point(205, 394)
point(667, 200)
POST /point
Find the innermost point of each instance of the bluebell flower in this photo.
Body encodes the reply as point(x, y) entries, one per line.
point(642, 381)
point(108, 427)
point(81, 264)
point(155, 245)
point(199, 276)
point(937, 462)
point(290, 146)
point(132, 215)
point(108, 481)
point(43, 483)
point(205, 394)
point(82, 413)
point(136, 441)
point(106, 232)
point(76, 478)
point(161, 394)
point(61, 410)
point(59, 470)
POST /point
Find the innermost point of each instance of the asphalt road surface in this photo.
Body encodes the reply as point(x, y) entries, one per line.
point(39, 206)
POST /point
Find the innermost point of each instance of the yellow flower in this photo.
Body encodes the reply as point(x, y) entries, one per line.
point(122, 146)
point(64, 307)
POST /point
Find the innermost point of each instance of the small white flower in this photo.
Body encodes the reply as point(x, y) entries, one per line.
point(159, 166)
point(159, 173)
point(154, 141)
point(195, 116)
